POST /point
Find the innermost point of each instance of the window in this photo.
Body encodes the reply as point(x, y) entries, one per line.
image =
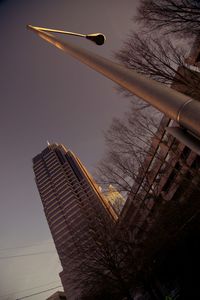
point(171, 177)
point(185, 153)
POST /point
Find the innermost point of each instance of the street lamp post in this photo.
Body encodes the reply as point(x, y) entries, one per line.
point(97, 38)
point(177, 106)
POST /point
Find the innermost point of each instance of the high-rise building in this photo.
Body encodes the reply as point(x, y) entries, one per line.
point(73, 205)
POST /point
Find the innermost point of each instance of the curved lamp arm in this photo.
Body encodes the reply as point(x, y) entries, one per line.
point(97, 38)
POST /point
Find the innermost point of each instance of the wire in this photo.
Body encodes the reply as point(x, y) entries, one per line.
point(25, 290)
point(39, 293)
point(26, 246)
point(27, 254)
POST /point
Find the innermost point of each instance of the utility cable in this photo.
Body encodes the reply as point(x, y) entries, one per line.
point(27, 254)
point(26, 290)
point(39, 293)
point(25, 246)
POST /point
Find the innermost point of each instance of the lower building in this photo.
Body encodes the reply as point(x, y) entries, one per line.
point(115, 199)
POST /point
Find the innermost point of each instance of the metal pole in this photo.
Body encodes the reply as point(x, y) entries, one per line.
point(177, 106)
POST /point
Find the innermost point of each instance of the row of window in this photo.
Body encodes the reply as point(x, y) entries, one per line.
point(50, 210)
point(51, 203)
point(44, 157)
point(47, 194)
point(39, 175)
point(51, 165)
point(60, 184)
point(54, 216)
point(57, 175)
point(50, 157)
point(38, 166)
point(52, 171)
point(74, 215)
point(78, 220)
point(51, 196)
point(58, 225)
point(59, 237)
point(67, 191)
point(57, 220)
point(42, 181)
point(66, 196)
point(67, 207)
point(64, 189)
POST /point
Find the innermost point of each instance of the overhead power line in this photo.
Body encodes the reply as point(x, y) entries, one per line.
point(26, 290)
point(27, 246)
point(39, 293)
point(27, 254)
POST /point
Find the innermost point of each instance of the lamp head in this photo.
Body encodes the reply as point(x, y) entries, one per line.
point(97, 38)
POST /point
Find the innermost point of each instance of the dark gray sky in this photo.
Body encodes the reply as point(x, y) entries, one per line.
point(46, 95)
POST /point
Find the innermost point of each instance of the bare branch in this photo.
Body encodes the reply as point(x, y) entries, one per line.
point(180, 17)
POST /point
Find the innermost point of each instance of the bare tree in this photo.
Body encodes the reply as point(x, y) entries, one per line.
point(116, 263)
point(110, 265)
point(180, 17)
point(104, 265)
point(112, 262)
point(127, 142)
point(139, 155)
point(152, 56)
point(160, 59)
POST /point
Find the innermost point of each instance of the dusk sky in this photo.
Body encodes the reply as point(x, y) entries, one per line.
point(46, 95)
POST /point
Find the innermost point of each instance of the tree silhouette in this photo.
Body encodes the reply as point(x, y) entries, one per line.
point(179, 17)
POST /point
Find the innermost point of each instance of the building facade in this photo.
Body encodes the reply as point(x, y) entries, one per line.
point(73, 206)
